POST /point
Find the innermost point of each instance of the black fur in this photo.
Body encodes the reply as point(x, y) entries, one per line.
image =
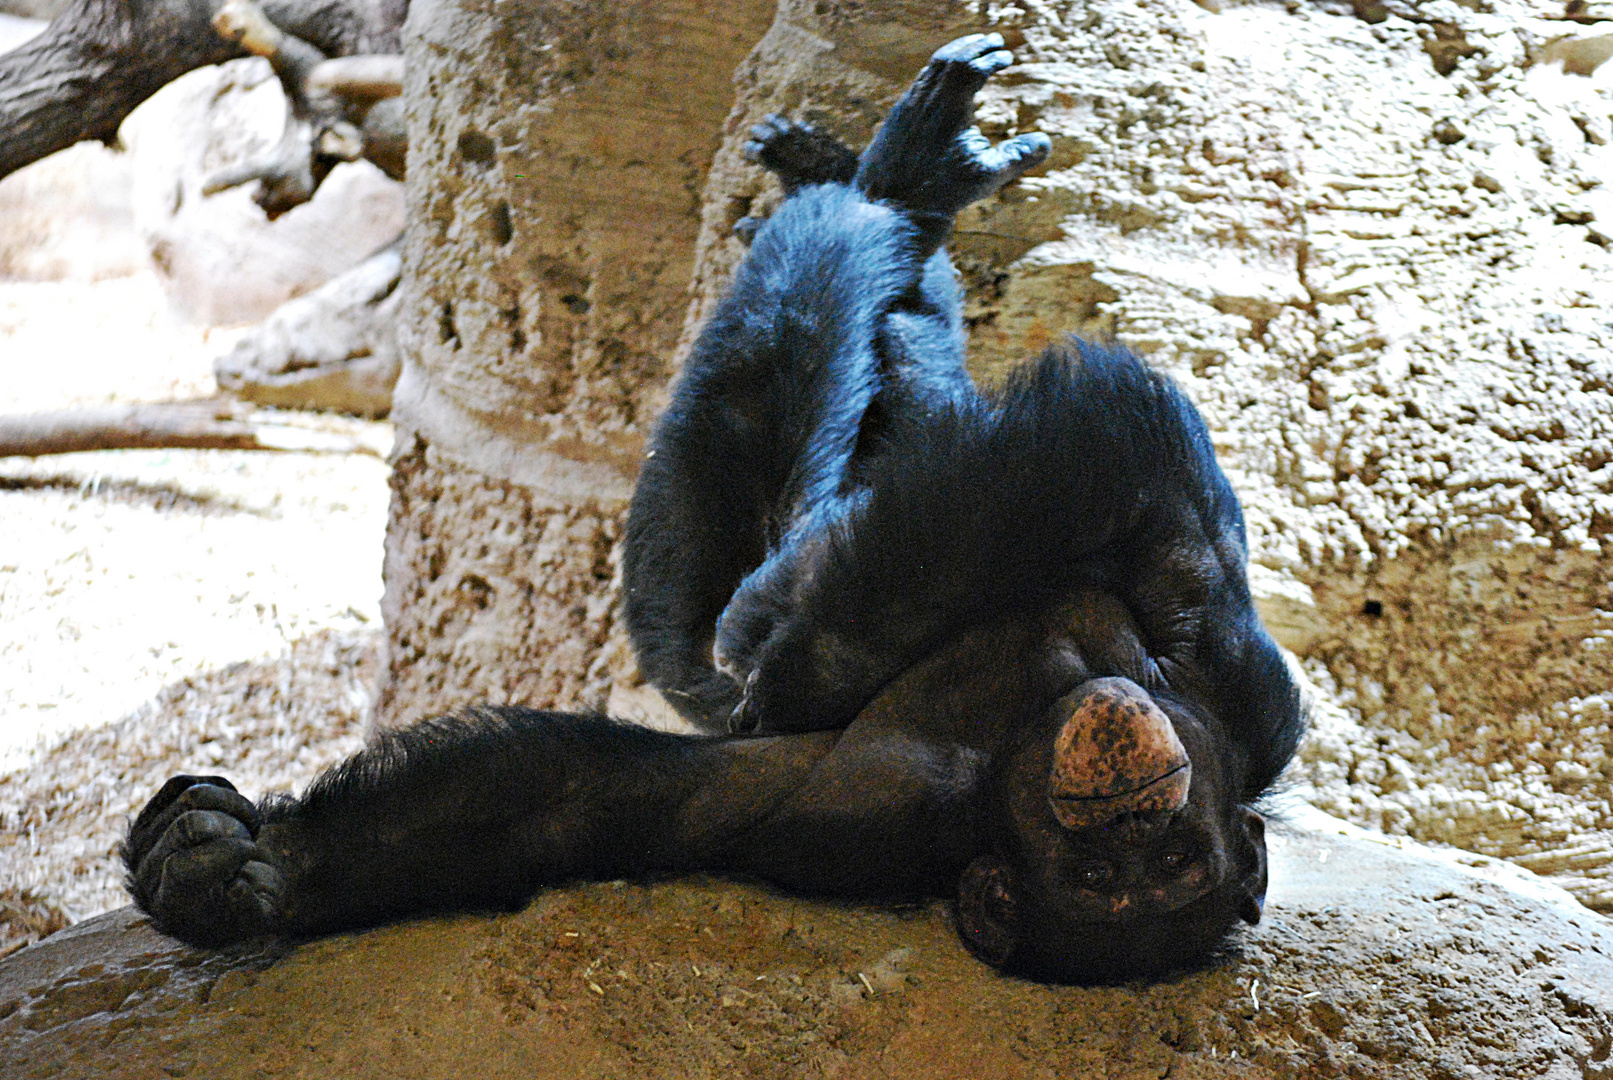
point(839, 545)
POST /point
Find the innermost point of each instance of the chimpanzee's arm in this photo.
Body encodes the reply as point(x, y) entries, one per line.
point(456, 813)
point(481, 811)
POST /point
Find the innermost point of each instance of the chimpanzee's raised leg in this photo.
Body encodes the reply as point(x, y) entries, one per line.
point(928, 162)
point(761, 427)
point(843, 303)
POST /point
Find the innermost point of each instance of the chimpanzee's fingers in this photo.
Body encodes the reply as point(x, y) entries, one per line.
point(256, 891)
point(957, 74)
point(1012, 158)
point(747, 716)
point(217, 893)
point(192, 829)
point(201, 871)
point(149, 828)
point(172, 790)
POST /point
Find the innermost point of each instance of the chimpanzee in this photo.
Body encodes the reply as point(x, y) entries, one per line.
point(994, 645)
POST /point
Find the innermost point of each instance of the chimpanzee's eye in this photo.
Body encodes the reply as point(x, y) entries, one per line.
point(1092, 874)
point(1174, 862)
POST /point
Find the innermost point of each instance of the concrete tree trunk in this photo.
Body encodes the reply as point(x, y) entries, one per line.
point(561, 150)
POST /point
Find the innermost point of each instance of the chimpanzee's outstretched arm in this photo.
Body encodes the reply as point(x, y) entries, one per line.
point(457, 813)
point(481, 811)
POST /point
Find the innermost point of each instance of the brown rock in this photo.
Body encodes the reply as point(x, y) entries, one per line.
point(1356, 970)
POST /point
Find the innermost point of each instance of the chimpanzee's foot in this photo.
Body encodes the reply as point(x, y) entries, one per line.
point(194, 865)
point(799, 154)
point(927, 156)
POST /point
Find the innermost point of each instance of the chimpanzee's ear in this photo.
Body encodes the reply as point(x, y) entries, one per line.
point(988, 918)
point(1254, 878)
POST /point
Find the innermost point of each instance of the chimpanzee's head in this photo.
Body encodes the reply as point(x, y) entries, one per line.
point(1123, 848)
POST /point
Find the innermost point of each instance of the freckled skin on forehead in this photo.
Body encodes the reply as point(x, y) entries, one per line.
point(1117, 753)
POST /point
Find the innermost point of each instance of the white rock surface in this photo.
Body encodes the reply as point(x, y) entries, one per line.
point(221, 260)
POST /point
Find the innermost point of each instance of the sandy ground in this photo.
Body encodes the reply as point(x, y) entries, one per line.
point(151, 601)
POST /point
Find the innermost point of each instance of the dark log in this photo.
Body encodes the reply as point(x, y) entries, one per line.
point(99, 59)
point(213, 424)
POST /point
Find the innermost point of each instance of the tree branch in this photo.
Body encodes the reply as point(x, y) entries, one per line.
point(214, 424)
point(99, 59)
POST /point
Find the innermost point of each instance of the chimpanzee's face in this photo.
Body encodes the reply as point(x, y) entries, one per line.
point(1133, 895)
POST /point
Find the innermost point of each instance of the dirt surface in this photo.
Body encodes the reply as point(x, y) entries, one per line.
point(270, 724)
point(1371, 962)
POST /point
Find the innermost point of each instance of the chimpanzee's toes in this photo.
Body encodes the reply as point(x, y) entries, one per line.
point(745, 229)
point(747, 714)
point(195, 868)
point(744, 720)
point(180, 795)
point(773, 129)
point(968, 49)
point(799, 154)
point(972, 59)
point(1004, 163)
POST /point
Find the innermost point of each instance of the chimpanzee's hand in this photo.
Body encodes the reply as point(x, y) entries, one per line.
point(195, 867)
point(927, 156)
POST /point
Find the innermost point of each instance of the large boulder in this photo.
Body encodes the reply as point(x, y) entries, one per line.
point(334, 349)
point(1372, 961)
